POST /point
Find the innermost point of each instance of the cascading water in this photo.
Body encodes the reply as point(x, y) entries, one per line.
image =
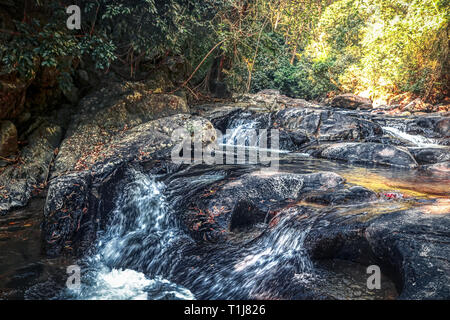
point(237, 132)
point(144, 254)
point(415, 140)
point(141, 229)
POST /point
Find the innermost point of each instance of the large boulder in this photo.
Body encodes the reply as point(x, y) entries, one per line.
point(369, 153)
point(410, 246)
point(221, 209)
point(327, 125)
point(81, 192)
point(115, 108)
point(351, 101)
point(430, 155)
point(8, 138)
point(20, 181)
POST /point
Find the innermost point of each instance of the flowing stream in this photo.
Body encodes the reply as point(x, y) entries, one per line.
point(144, 253)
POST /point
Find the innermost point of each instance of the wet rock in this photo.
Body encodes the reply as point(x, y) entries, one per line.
point(239, 204)
point(83, 77)
point(430, 155)
point(327, 125)
point(81, 194)
point(408, 246)
point(369, 153)
point(343, 196)
point(439, 167)
point(8, 138)
point(443, 127)
point(351, 101)
point(415, 246)
point(22, 180)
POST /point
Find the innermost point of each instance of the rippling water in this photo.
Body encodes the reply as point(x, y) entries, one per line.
point(144, 253)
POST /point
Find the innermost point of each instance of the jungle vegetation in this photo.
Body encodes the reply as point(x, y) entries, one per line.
point(305, 48)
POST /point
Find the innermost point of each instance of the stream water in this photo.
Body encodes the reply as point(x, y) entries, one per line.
point(144, 253)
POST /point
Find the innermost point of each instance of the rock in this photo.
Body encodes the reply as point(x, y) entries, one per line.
point(292, 140)
point(430, 155)
point(443, 127)
point(410, 246)
point(326, 125)
point(115, 108)
point(8, 138)
point(369, 153)
point(343, 196)
point(439, 167)
point(22, 180)
point(216, 212)
point(351, 101)
point(82, 179)
point(413, 244)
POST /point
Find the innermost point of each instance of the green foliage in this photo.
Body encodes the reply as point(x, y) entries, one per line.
point(305, 48)
point(47, 43)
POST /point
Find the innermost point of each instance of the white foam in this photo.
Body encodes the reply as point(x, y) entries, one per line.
point(416, 140)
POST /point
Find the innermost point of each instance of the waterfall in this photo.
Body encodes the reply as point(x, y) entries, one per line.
point(144, 254)
point(416, 140)
point(141, 229)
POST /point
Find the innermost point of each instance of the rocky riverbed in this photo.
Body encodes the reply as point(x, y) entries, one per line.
point(353, 187)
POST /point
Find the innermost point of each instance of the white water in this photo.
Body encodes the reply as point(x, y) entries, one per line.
point(416, 140)
point(140, 246)
point(141, 212)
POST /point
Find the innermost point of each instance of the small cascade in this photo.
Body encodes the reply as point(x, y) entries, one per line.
point(144, 254)
point(139, 233)
point(415, 140)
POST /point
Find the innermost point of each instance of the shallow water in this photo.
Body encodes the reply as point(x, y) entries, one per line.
point(145, 254)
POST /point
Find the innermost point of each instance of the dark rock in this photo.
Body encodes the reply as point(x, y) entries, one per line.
point(239, 204)
point(343, 196)
point(271, 100)
point(439, 167)
point(430, 155)
point(408, 245)
point(418, 105)
point(443, 127)
point(8, 138)
point(21, 181)
point(351, 101)
point(327, 125)
point(369, 153)
point(80, 182)
point(292, 141)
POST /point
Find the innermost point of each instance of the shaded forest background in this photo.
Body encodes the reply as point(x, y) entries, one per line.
point(310, 49)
